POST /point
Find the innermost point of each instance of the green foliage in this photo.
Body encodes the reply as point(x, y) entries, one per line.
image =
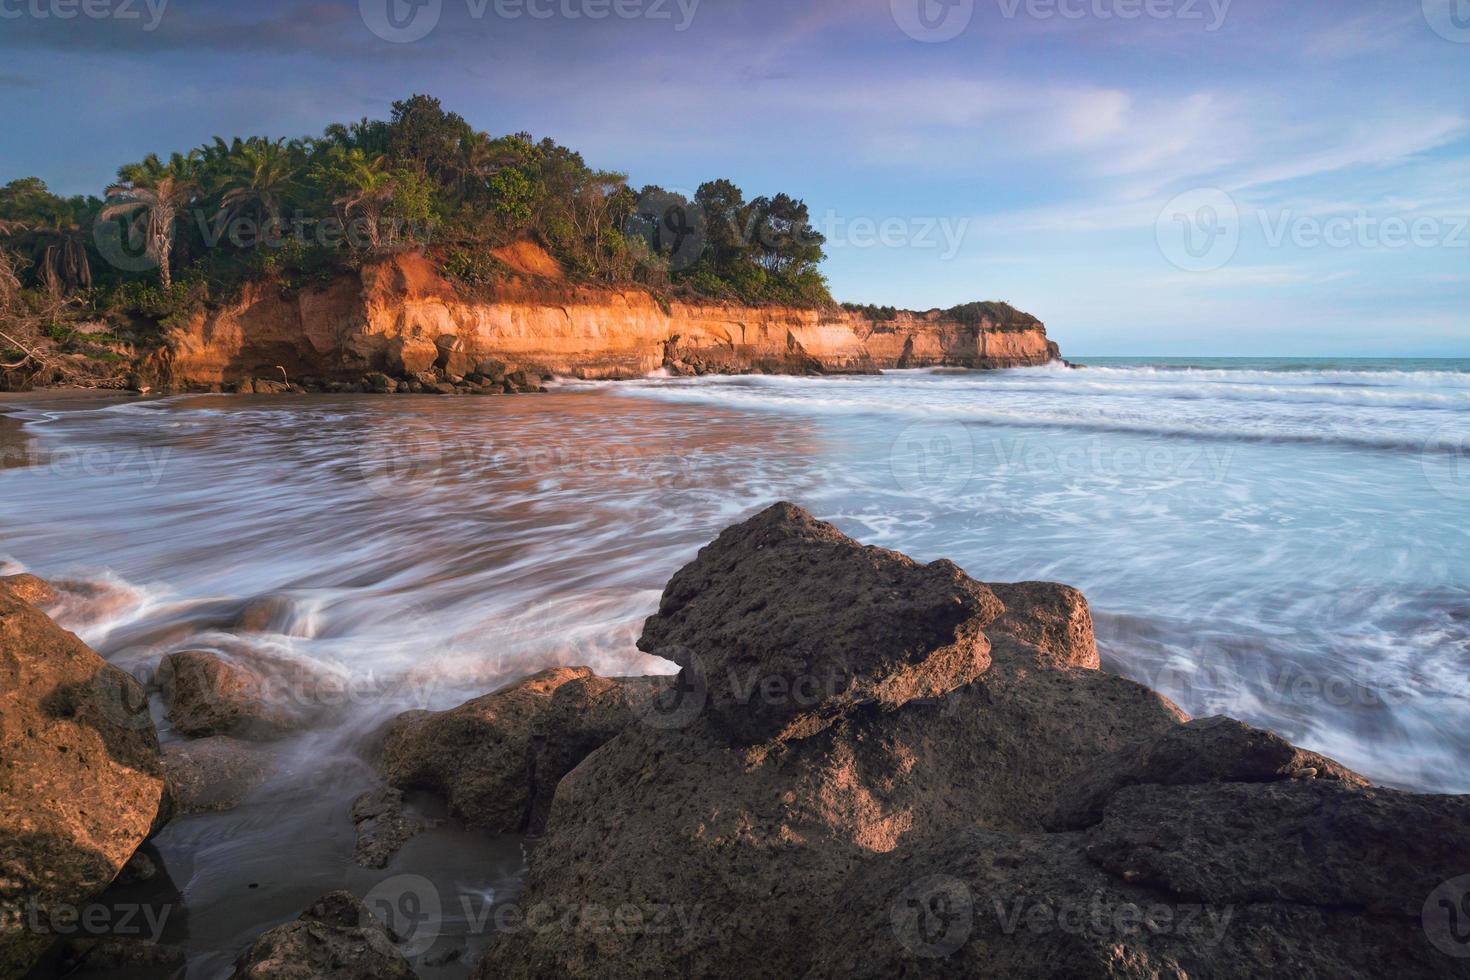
point(1001, 314)
point(877, 314)
point(302, 210)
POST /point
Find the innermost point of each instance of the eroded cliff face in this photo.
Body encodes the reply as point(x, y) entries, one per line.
point(401, 317)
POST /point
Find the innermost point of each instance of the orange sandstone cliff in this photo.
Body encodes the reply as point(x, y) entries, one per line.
point(401, 317)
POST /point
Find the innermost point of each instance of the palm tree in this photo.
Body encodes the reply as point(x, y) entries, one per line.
point(152, 195)
point(62, 251)
point(368, 188)
point(263, 173)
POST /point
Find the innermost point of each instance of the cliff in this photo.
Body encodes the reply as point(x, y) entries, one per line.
point(401, 317)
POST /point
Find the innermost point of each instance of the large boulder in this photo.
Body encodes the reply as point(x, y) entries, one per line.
point(81, 784)
point(785, 621)
point(336, 939)
point(838, 836)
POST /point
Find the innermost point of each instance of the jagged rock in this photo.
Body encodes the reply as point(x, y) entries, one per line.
point(841, 842)
point(1312, 842)
point(336, 939)
point(497, 759)
point(209, 695)
point(30, 589)
point(1203, 751)
point(81, 784)
point(211, 775)
point(785, 621)
point(383, 826)
point(1054, 618)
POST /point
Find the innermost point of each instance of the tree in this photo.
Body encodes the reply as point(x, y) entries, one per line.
point(262, 174)
point(427, 139)
point(724, 207)
point(152, 194)
point(365, 187)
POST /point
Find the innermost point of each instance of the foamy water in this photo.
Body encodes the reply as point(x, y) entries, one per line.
point(1289, 546)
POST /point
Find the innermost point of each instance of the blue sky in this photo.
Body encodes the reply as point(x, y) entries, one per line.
point(1147, 176)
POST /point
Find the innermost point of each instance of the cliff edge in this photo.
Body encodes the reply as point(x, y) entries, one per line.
point(402, 317)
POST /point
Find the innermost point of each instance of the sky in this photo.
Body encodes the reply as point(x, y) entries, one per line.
point(1190, 177)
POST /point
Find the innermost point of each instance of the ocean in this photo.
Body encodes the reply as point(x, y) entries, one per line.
point(1283, 540)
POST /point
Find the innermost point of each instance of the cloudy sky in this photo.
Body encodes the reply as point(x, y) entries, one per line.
point(1147, 176)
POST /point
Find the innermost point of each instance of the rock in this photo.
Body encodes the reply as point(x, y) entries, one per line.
point(209, 695)
point(854, 834)
point(383, 826)
point(497, 759)
point(81, 784)
point(1203, 751)
point(30, 589)
point(1323, 843)
point(336, 939)
point(211, 775)
point(267, 614)
point(140, 867)
point(122, 959)
point(493, 371)
point(380, 383)
point(785, 621)
point(1054, 618)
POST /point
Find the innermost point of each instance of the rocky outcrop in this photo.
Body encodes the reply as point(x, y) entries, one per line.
point(498, 759)
point(335, 939)
point(208, 694)
point(400, 318)
point(976, 799)
point(81, 785)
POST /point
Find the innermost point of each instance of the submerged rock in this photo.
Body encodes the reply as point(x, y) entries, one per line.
point(81, 784)
point(968, 803)
point(212, 775)
point(208, 695)
point(336, 939)
point(383, 825)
